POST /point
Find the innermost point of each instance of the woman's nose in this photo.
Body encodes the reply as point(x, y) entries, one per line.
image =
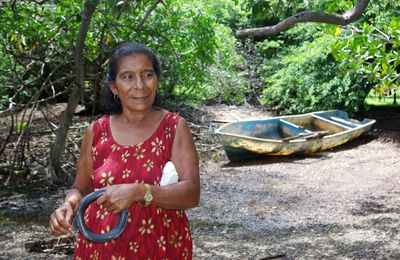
point(139, 83)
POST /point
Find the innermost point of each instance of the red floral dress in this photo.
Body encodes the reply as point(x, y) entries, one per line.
point(152, 232)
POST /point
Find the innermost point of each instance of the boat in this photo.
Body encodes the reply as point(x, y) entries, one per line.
point(292, 134)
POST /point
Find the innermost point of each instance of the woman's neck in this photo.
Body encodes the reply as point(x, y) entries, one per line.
point(130, 117)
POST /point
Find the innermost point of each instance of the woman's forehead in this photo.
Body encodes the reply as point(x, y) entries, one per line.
point(137, 61)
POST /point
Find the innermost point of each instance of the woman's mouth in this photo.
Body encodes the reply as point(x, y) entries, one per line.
point(139, 99)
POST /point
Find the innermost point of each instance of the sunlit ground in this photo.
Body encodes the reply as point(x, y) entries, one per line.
point(387, 101)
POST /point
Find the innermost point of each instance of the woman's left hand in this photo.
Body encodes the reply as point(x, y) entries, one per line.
point(117, 198)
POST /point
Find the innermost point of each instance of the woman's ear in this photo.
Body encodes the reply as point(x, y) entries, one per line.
point(112, 88)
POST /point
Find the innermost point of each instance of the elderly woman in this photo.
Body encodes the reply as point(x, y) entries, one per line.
point(125, 152)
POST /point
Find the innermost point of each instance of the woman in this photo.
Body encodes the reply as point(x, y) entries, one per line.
point(125, 153)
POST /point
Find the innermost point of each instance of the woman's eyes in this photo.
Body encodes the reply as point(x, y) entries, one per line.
point(146, 75)
point(127, 77)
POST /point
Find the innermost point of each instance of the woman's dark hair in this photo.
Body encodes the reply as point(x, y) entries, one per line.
point(112, 105)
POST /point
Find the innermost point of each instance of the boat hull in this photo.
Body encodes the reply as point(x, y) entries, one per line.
point(249, 139)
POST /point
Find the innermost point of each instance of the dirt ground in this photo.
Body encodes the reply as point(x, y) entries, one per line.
point(337, 204)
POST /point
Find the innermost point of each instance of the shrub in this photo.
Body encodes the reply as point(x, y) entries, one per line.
point(310, 79)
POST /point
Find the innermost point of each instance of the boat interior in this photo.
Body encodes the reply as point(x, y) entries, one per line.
point(295, 127)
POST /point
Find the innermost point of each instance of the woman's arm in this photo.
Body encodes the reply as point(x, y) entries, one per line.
point(186, 193)
point(61, 218)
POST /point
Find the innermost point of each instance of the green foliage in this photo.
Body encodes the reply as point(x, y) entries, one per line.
point(199, 55)
point(191, 33)
point(21, 126)
point(270, 12)
point(371, 48)
point(204, 59)
point(316, 67)
point(231, 13)
point(197, 51)
point(309, 80)
point(35, 42)
point(226, 83)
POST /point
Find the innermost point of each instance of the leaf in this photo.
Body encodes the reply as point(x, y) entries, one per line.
point(108, 38)
point(337, 31)
point(20, 48)
point(384, 67)
point(21, 126)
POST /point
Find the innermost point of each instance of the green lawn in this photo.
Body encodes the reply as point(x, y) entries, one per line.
point(373, 100)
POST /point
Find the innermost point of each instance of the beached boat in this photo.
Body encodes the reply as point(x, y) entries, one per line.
point(294, 134)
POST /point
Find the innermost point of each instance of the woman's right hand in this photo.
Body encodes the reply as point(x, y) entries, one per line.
point(61, 220)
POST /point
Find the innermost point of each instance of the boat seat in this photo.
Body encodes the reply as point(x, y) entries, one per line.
point(344, 122)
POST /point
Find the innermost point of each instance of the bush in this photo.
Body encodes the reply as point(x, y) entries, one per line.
point(309, 79)
point(197, 51)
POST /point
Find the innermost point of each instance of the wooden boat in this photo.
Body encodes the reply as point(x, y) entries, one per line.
point(294, 134)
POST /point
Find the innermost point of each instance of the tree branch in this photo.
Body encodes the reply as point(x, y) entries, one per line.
point(148, 12)
point(305, 17)
point(383, 38)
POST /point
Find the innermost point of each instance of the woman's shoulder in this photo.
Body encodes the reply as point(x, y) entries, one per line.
point(100, 124)
point(171, 118)
point(169, 115)
point(101, 120)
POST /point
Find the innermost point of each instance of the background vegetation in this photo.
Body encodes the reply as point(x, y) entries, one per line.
point(309, 67)
point(202, 61)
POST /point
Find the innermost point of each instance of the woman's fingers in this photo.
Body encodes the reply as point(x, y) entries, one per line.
point(68, 215)
point(61, 215)
point(54, 226)
point(102, 199)
point(57, 227)
point(111, 207)
point(60, 220)
point(56, 230)
point(110, 201)
point(114, 210)
point(107, 202)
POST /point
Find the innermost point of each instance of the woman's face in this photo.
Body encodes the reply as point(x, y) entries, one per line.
point(135, 83)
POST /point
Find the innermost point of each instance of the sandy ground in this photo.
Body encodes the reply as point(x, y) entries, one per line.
point(339, 204)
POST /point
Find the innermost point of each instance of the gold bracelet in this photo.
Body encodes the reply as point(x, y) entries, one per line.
point(148, 196)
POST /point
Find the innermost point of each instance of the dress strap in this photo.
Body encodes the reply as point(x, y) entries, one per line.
point(167, 131)
point(172, 121)
point(99, 127)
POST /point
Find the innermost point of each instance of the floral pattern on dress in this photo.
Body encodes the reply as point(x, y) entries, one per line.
point(152, 232)
point(106, 179)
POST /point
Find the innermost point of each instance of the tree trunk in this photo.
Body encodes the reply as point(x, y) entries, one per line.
point(56, 173)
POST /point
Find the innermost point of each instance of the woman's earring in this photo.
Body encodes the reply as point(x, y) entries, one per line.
point(115, 97)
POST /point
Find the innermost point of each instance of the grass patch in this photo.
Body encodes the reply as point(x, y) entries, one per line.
point(374, 100)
